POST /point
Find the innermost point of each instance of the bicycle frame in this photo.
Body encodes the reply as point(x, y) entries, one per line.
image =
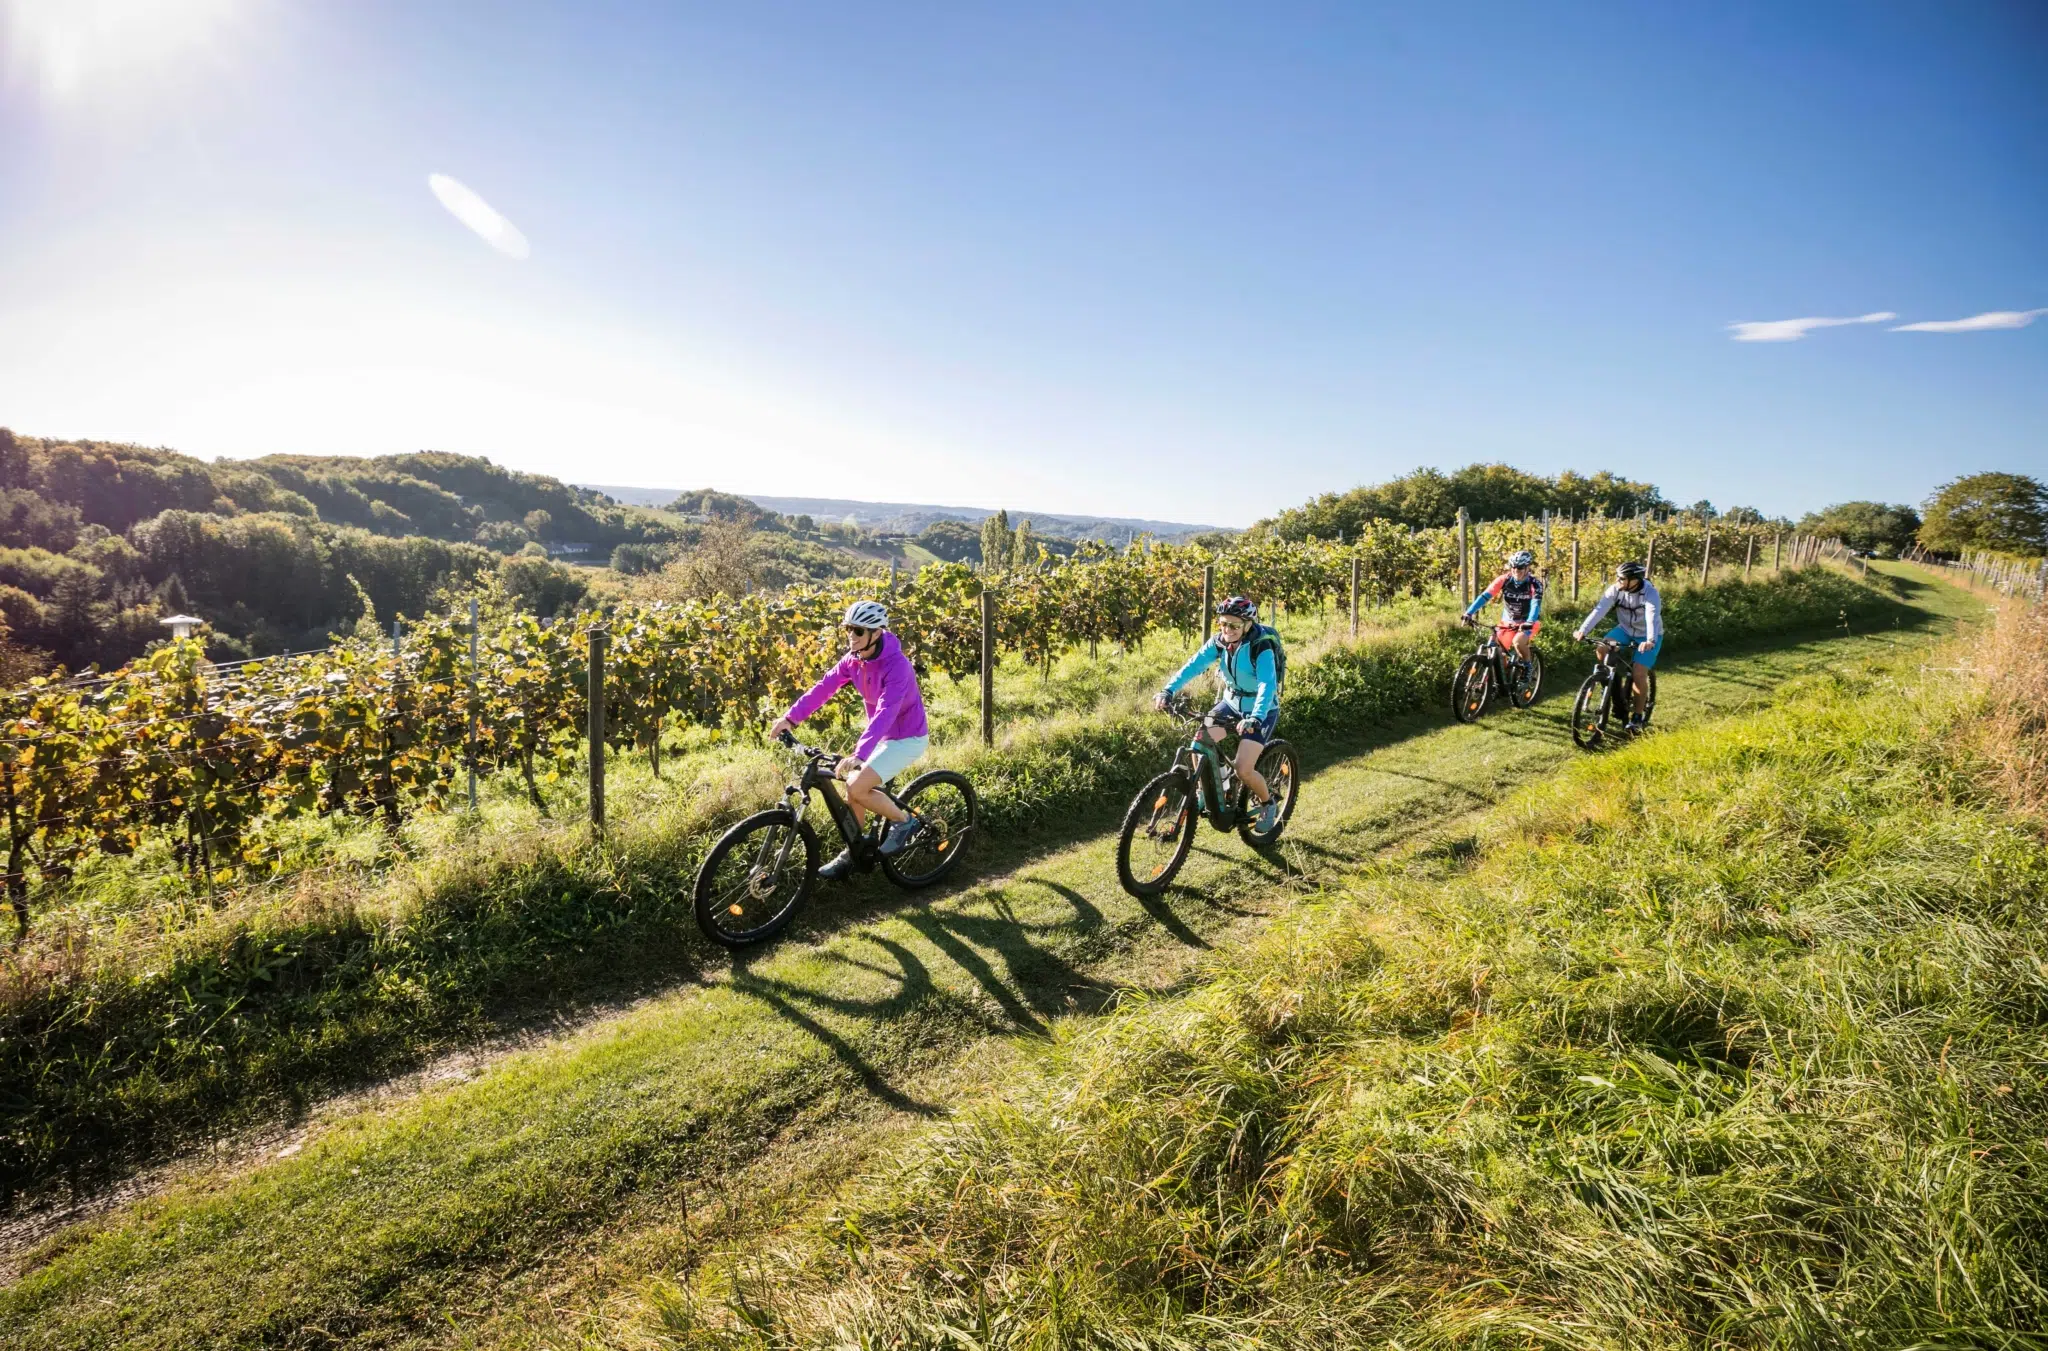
point(821, 775)
point(1616, 663)
point(1205, 762)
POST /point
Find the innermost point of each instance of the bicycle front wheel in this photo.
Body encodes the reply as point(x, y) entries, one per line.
point(1159, 829)
point(946, 805)
point(1282, 773)
point(1524, 694)
point(1589, 715)
point(755, 877)
point(1469, 689)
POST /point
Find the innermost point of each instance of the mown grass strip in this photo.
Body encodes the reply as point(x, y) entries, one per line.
point(374, 1231)
point(1732, 1039)
point(246, 1020)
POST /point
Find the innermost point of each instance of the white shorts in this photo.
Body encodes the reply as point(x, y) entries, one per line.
point(893, 757)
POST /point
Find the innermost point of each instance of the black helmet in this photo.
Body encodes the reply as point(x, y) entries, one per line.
point(1242, 607)
point(1631, 571)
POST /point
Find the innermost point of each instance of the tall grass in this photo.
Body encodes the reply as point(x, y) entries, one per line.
point(112, 1055)
point(1734, 1039)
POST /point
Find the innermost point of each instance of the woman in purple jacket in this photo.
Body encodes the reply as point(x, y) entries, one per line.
point(896, 734)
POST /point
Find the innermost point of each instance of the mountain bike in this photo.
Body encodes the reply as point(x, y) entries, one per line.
point(1490, 671)
point(1602, 709)
point(1159, 828)
point(762, 869)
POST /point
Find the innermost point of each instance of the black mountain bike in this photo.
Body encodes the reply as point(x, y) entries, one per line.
point(1600, 714)
point(763, 868)
point(1159, 827)
point(1490, 671)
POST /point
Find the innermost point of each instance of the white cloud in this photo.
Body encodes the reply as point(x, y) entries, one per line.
point(478, 215)
point(1976, 323)
point(1792, 330)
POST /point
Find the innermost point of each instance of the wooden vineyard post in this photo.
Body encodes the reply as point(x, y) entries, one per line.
point(594, 690)
point(1748, 558)
point(1357, 565)
point(1650, 559)
point(988, 667)
point(471, 747)
point(1208, 600)
point(892, 579)
point(1464, 561)
point(1575, 567)
point(1546, 541)
point(1707, 556)
point(1777, 550)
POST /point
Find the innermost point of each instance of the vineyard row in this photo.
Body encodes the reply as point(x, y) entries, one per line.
point(174, 748)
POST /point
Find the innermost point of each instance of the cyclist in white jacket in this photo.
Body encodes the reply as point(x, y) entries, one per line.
point(1638, 620)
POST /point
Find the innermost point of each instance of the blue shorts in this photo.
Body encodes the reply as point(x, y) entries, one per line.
point(893, 757)
point(1260, 730)
point(1646, 660)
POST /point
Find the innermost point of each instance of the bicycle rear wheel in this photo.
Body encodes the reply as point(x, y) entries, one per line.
point(946, 804)
point(1159, 829)
point(755, 877)
point(1469, 689)
point(1589, 715)
point(1282, 773)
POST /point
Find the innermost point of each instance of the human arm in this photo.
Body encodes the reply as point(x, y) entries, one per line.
point(1205, 657)
point(1536, 602)
point(814, 698)
point(1486, 594)
point(1653, 617)
point(1600, 609)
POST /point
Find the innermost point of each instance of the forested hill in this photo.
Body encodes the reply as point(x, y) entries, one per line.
point(456, 498)
point(99, 541)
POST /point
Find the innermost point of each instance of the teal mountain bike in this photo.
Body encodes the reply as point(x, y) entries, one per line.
point(1160, 826)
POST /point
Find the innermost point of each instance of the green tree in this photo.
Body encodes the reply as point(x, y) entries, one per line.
point(996, 540)
point(1023, 547)
point(1881, 528)
point(2006, 513)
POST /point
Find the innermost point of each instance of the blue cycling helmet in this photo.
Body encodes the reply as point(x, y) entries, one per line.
point(1521, 558)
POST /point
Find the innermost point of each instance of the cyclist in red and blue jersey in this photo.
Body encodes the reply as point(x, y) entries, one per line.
point(1520, 592)
point(1250, 668)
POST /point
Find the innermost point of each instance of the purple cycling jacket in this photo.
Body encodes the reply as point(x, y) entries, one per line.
point(888, 687)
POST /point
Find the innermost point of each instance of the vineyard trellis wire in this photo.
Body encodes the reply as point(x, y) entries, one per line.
point(203, 756)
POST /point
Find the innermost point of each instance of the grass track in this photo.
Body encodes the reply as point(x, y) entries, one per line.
point(464, 1203)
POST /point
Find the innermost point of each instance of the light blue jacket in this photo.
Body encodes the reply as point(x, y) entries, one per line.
point(1246, 677)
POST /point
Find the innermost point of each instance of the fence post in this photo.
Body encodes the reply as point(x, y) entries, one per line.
point(1575, 567)
point(1707, 556)
point(1464, 560)
point(594, 690)
point(1777, 550)
point(1546, 541)
point(1748, 558)
point(1357, 565)
point(1650, 558)
point(471, 748)
point(988, 666)
point(892, 579)
point(1208, 600)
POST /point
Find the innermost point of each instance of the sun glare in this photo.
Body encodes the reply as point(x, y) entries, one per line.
point(68, 46)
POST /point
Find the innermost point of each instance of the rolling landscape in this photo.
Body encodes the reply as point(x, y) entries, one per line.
point(1475, 779)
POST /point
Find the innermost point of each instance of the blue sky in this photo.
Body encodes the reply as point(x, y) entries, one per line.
point(1185, 261)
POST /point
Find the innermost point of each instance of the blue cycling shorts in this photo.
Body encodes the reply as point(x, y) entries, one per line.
point(1260, 730)
point(1646, 660)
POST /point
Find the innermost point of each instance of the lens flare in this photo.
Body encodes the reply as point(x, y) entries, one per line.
point(479, 215)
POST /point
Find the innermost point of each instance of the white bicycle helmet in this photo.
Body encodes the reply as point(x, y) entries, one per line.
point(866, 614)
point(1521, 558)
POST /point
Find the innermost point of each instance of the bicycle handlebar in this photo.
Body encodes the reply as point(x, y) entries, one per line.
point(788, 739)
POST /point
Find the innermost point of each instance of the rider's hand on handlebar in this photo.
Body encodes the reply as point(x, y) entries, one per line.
point(1645, 645)
point(1162, 701)
point(779, 730)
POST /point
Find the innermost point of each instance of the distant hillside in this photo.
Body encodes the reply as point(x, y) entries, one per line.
point(910, 518)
